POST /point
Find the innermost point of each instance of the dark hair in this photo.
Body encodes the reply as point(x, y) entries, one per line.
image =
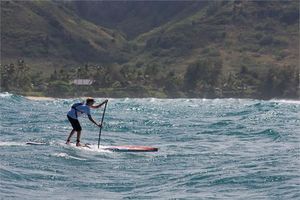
point(88, 100)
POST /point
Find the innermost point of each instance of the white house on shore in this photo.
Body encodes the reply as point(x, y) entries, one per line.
point(83, 81)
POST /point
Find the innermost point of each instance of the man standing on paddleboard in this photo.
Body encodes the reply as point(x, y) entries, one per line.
point(78, 109)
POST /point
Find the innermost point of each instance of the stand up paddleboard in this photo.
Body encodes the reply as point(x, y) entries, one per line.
point(129, 148)
point(125, 148)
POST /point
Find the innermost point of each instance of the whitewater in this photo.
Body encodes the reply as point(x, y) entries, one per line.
point(208, 149)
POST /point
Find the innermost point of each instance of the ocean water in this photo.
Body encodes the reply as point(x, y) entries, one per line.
point(208, 149)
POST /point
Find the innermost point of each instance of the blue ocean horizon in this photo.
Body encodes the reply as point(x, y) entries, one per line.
point(208, 149)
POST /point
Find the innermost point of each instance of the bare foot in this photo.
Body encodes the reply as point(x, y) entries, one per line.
point(78, 144)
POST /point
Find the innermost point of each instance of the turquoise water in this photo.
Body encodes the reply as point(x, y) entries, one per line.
point(208, 149)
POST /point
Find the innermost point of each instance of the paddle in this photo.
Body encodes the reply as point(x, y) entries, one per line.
point(101, 124)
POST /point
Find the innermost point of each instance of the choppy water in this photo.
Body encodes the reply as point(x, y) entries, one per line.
point(208, 149)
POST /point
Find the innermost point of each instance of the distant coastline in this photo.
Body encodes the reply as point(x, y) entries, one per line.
point(48, 98)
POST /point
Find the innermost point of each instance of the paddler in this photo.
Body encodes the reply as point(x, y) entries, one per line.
point(77, 110)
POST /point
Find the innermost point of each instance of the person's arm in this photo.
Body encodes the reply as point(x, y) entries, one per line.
point(92, 120)
point(99, 105)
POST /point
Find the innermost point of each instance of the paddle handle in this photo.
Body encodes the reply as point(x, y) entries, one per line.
point(101, 124)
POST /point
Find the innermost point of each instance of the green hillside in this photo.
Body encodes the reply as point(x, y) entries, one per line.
point(134, 17)
point(162, 49)
point(248, 37)
point(38, 30)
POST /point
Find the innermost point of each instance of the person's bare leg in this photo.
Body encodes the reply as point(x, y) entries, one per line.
point(70, 135)
point(78, 138)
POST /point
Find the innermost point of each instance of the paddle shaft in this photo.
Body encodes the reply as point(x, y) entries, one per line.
point(101, 124)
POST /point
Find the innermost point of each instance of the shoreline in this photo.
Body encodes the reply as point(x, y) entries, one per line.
point(44, 98)
point(49, 98)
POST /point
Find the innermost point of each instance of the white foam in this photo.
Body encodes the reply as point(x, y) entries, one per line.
point(95, 148)
point(67, 156)
point(286, 101)
point(40, 98)
point(12, 144)
point(90, 148)
point(5, 94)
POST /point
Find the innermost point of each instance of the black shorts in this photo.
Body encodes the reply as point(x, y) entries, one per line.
point(75, 123)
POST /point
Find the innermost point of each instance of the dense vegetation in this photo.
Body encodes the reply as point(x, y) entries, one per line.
point(158, 49)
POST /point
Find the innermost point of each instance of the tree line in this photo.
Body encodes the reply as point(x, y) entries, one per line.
point(202, 79)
